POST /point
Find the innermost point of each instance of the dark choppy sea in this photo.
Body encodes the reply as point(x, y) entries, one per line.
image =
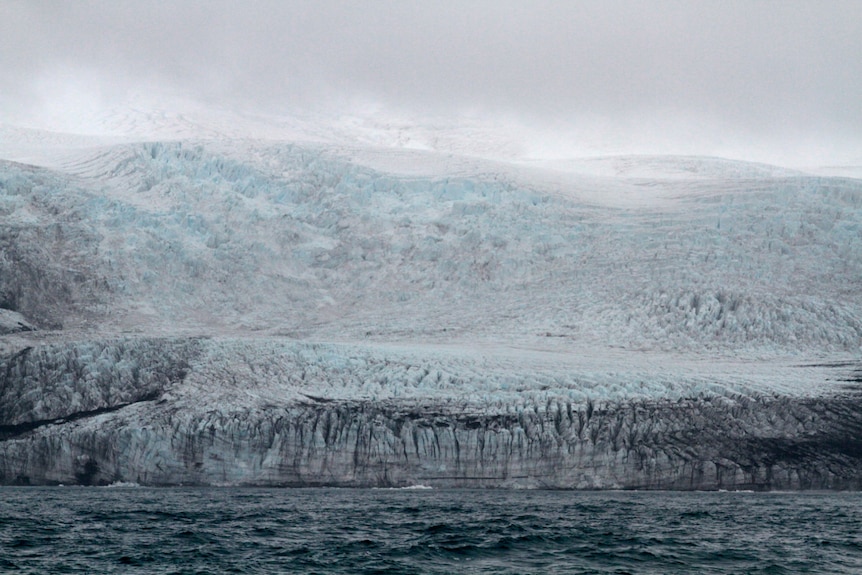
point(140, 530)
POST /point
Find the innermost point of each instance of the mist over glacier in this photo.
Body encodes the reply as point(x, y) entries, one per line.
point(358, 310)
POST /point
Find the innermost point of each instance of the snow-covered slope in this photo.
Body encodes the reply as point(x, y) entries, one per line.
point(163, 305)
point(303, 240)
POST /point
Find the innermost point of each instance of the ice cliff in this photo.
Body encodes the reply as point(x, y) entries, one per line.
point(680, 323)
point(274, 412)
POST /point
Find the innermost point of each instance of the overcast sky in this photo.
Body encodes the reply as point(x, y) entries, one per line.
point(728, 76)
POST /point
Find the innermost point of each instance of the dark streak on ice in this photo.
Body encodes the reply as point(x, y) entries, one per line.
point(11, 431)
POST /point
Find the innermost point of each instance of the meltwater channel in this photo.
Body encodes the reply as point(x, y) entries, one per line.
point(358, 531)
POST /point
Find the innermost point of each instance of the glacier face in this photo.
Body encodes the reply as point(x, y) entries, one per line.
point(683, 323)
point(280, 412)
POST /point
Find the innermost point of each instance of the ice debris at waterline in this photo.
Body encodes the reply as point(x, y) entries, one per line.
point(672, 323)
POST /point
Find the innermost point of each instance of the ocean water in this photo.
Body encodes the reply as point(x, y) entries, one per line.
point(202, 530)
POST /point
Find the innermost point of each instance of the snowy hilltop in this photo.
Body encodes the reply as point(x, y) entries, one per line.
point(693, 254)
point(399, 308)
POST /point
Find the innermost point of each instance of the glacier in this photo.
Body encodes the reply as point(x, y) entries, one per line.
point(276, 412)
point(262, 312)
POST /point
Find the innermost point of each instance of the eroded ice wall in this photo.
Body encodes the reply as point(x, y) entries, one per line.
point(270, 422)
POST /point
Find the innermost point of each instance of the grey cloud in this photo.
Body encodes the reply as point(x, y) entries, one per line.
point(776, 68)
